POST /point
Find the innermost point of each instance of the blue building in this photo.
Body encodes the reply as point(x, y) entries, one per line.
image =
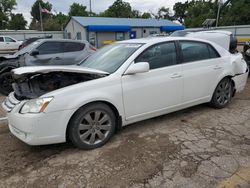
point(101, 30)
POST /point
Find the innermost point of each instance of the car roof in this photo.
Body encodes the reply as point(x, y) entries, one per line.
point(62, 40)
point(152, 40)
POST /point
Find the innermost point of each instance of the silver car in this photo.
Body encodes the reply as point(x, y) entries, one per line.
point(58, 52)
point(44, 52)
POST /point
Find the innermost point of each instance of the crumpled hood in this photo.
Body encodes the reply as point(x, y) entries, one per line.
point(48, 69)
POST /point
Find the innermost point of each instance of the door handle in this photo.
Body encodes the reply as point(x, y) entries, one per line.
point(175, 75)
point(217, 67)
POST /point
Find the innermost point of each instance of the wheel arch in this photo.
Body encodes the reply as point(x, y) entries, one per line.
point(226, 76)
point(112, 107)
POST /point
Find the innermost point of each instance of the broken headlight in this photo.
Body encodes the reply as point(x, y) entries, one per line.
point(35, 105)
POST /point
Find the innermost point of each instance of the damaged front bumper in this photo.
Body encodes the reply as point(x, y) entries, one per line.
point(38, 128)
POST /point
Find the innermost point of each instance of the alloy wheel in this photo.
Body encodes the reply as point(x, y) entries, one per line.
point(94, 127)
point(223, 92)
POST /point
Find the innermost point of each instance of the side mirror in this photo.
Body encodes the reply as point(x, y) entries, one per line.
point(139, 67)
point(34, 53)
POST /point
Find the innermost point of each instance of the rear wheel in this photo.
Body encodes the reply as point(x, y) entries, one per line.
point(5, 83)
point(92, 126)
point(222, 94)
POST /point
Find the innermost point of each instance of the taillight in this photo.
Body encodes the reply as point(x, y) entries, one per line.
point(92, 48)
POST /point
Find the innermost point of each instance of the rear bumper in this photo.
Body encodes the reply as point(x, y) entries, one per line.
point(240, 81)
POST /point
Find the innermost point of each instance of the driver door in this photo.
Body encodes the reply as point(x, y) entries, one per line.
point(157, 91)
point(50, 53)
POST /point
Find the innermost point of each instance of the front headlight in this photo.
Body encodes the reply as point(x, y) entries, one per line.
point(35, 105)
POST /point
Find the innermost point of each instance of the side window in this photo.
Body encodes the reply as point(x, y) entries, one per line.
point(213, 53)
point(194, 51)
point(73, 46)
point(50, 48)
point(1, 39)
point(160, 55)
point(8, 39)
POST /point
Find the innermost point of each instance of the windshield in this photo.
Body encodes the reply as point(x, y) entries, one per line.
point(111, 57)
point(26, 49)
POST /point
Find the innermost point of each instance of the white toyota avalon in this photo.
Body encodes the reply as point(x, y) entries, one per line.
point(122, 83)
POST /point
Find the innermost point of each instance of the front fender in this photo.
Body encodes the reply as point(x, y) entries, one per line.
point(73, 97)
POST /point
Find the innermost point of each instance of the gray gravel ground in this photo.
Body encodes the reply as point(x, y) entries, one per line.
point(197, 147)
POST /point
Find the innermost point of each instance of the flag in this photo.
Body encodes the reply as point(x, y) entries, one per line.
point(44, 10)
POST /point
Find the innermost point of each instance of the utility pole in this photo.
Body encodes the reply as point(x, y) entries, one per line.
point(220, 2)
point(90, 8)
point(41, 17)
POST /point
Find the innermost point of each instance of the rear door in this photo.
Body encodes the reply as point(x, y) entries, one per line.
point(202, 66)
point(74, 52)
point(50, 53)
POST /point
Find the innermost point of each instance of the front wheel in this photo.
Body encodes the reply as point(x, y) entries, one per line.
point(6, 83)
point(92, 126)
point(222, 94)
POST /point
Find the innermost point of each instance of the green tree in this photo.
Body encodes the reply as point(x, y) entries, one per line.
point(17, 22)
point(164, 13)
point(146, 15)
point(236, 13)
point(118, 9)
point(61, 20)
point(180, 10)
point(35, 11)
point(6, 6)
point(198, 11)
point(78, 10)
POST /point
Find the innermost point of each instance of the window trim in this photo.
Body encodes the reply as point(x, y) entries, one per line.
point(178, 60)
point(181, 53)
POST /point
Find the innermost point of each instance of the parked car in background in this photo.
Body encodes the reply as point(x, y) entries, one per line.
point(222, 38)
point(122, 83)
point(16, 55)
point(9, 45)
point(33, 39)
point(41, 53)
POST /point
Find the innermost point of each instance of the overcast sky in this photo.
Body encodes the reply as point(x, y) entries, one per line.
point(24, 6)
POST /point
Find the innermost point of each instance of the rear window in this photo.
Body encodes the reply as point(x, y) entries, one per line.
point(73, 46)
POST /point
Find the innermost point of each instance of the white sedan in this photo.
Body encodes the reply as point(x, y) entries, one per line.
point(9, 45)
point(122, 83)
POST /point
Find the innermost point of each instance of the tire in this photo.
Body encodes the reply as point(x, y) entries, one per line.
point(6, 83)
point(223, 93)
point(92, 126)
